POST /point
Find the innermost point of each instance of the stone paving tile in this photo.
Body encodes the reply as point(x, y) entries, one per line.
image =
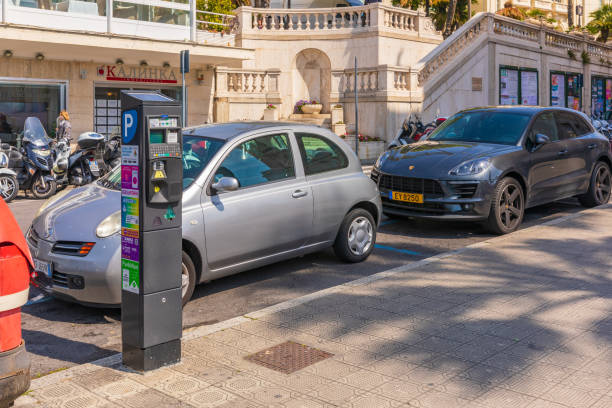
point(463, 388)
point(398, 390)
point(331, 369)
point(438, 399)
point(336, 393)
point(572, 396)
point(370, 400)
point(504, 398)
point(604, 402)
point(120, 389)
point(486, 375)
point(364, 379)
point(98, 378)
point(150, 398)
point(539, 403)
point(210, 397)
point(392, 367)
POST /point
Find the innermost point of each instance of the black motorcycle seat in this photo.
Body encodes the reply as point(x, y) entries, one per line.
point(15, 159)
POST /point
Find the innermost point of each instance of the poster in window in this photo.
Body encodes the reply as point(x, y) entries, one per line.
point(529, 88)
point(573, 92)
point(608, 94)
point(508, 87)
point(597, 96)
point(557, 90)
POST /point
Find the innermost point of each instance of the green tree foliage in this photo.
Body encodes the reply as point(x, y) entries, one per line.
point(438, 13)
point(601, 23)
point(215, 6)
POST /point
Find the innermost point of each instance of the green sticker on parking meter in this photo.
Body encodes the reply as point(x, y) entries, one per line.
point(130, 275)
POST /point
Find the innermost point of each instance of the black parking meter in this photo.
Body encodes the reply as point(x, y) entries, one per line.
point(151, 193)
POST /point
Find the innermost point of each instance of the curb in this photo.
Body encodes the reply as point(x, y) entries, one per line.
point(202, 331)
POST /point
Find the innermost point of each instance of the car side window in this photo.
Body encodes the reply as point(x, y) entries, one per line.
point(566, 122)
point(320, 154)
point(582, 127)
point(260, 160)
point(545, 124)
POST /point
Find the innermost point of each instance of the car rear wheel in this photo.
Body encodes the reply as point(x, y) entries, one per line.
point(188, 278)
point(356, 238)
point(599, 188)
point(9, 187)
point(507, 207)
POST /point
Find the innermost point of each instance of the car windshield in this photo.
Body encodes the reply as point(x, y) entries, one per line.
point(497, 127)
point(34, 132)
point(197, 153)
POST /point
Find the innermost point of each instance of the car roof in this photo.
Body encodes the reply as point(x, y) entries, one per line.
point(521, 109)
point(230, 130)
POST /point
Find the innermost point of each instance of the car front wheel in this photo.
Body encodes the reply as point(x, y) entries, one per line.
point(356, 238)
point(507, 207)
point(188, 278)
point(599, 188)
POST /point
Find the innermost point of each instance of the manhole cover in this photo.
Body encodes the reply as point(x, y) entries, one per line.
point(288, 357)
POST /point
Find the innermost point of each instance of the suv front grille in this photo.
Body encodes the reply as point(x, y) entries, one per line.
point(73, 248)
point(411, 185)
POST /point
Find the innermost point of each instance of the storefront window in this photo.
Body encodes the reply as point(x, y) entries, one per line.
point(107, 107)
point(598, 96)
point(19, 101)
point(566, 90)
point(518, 86)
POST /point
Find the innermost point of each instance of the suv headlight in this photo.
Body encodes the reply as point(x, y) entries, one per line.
point(471, 167)
point(109, 226)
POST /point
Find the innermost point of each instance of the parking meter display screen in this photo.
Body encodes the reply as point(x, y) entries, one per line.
point(156, 137)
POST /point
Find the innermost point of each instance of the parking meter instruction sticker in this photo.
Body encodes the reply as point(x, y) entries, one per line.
point(130, 249)
point(129, 212)
point(129, 178)
point(129, 155)
point(130, 276)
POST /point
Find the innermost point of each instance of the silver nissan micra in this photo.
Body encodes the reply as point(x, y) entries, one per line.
point(254, 193)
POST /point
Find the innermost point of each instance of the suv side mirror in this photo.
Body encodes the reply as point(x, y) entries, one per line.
point(225, 184)
point(541, 139)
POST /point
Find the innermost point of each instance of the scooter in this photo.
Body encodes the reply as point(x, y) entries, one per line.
point(414, 130)
point(34, 162)
point(9, 186)
point(84, 165)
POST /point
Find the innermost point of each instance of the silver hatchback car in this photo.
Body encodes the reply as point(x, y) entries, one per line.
point(254, 193)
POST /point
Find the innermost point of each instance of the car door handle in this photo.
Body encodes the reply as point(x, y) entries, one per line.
point(562, 152)
point(592, 145)
point(299, 193)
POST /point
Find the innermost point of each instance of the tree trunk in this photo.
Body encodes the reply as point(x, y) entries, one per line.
point(570, 13)
point(427, 8)
point(450, 16)
point(604, 33)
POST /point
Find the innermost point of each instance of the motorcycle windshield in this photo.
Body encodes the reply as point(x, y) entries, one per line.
point(34, 132)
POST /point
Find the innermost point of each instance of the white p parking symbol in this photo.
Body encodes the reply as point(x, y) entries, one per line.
point(128, 125)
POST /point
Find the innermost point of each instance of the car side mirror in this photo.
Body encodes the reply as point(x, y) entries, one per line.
point(225, 184)
point(541, 139)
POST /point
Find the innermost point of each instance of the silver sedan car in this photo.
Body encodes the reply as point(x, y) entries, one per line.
point(254, 193)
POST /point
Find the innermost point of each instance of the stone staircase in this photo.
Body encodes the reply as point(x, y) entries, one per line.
point(318, 119)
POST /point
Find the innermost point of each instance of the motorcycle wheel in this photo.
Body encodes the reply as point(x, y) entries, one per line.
point(9, 187)
point(39, 192)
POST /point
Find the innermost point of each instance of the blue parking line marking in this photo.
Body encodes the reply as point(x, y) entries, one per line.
point(403, 251)
point(387, 222)
point(35, 300)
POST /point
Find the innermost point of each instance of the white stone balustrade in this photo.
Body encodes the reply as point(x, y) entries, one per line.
point(246, 82)
point(374, 16)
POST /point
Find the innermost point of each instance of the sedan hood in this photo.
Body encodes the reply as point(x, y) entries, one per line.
point(435, 159)
point(76, 216)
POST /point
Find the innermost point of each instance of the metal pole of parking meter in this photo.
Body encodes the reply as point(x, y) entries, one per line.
point(151, 249)
point(184, 70)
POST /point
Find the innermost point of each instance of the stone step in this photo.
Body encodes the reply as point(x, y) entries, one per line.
point(324, 122)
point(299, 116)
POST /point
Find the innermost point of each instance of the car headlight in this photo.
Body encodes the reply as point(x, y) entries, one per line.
point(471, 167)
point(109, 226)
point(41, 152)
point(51, 201)
point(380, 160)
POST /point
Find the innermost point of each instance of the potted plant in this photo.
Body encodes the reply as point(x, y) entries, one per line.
point(270, 113)
point(370, 147)
point(339, 127)
point(307, 106)
point(337, 114)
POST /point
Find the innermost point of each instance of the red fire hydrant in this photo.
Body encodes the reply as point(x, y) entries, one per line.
point(15, 267)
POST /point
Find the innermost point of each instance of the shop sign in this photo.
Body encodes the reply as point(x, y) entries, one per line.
point(151, 75)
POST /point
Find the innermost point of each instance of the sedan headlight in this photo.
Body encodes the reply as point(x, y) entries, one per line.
point(41, 152)
point(109, 226)
point(51, 201)
point(471, 168)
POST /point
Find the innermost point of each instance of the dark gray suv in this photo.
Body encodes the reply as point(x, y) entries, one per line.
point(490, 164)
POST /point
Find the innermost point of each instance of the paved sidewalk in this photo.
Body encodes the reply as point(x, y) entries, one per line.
point(517, 321)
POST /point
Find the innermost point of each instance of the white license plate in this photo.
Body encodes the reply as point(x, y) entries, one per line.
point(93, 165)
point(42, 267)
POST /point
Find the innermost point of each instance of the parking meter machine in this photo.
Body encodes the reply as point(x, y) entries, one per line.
point(151, 193)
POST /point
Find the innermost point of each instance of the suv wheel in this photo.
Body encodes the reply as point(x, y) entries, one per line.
point(599, 188)
point(356, 238)
point(507, 207)
point(188, 278)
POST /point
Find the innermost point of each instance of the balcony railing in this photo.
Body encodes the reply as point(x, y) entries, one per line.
point(177, 20)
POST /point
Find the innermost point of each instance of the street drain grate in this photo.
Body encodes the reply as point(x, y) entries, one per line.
point(288, 357)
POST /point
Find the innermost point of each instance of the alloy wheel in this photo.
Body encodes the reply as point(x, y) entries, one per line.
point(510, 206)
point(603, 184)
point(360, 236)
point(7, 187)
point(184, 279)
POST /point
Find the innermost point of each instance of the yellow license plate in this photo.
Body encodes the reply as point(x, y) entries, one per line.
point(407, 197)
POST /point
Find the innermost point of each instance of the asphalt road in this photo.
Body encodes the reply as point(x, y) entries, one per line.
point(59, 334)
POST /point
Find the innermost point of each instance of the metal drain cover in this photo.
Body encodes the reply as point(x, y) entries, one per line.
point(288, 357)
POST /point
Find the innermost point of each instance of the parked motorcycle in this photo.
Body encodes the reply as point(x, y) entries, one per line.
point(84, 165)
point(9, 186)
point(112, 150)
point(413, 130)
point(34, 162)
